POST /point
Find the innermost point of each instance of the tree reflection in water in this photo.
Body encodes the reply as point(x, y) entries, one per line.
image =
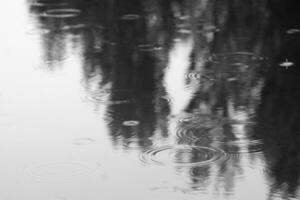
point(154, 61)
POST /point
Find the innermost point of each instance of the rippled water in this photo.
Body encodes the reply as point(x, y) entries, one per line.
point(182, 155)
point(149, 100)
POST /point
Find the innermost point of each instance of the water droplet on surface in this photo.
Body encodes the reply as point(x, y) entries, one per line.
point(131, 123)
point(61, 13)
point(182, 155)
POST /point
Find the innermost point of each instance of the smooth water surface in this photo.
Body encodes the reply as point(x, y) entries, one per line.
point(153, 99)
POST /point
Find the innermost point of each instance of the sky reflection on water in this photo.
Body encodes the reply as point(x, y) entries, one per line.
point(154, 99)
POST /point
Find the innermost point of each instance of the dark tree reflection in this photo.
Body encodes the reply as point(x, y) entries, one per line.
point(217, 62)
point(280, 104)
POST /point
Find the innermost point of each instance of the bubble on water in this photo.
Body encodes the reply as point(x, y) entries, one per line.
point(61, 13)
point(235, 58)
point(60, 171)
point(83, 141)
point(182, 155)
point(131, 123)
point(130, 17)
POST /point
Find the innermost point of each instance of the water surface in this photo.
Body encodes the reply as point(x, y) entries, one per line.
point(154, 99)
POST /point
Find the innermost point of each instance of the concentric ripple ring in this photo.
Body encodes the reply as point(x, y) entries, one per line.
point(182, 155)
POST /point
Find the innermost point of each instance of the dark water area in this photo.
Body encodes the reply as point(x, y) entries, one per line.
point(153, 99)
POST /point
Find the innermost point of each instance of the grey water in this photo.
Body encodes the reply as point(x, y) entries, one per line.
point(153, 99)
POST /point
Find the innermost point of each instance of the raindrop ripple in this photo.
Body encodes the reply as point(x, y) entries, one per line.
point(182, 155)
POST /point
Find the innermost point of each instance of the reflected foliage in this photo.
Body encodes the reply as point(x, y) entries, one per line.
point(216, 63)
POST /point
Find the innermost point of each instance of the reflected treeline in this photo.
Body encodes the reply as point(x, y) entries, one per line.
point(148, 61)
point(280, 103)
point(229, 67)
point(123, 49)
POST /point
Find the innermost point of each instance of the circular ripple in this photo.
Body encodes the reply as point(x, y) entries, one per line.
point(240, 138)
point(74, 27)
point(61, 13)
point(83, 141)
point(98, 96)
point(44, 4)
point(149, 47)
point(182, 155)
point(131, 123)
point(130, 17)
point(60, 171)
point(137, 143)
point(194, 75)
point(293, 31)
point(235, 58)
point(195, 121)
point(191, 136)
